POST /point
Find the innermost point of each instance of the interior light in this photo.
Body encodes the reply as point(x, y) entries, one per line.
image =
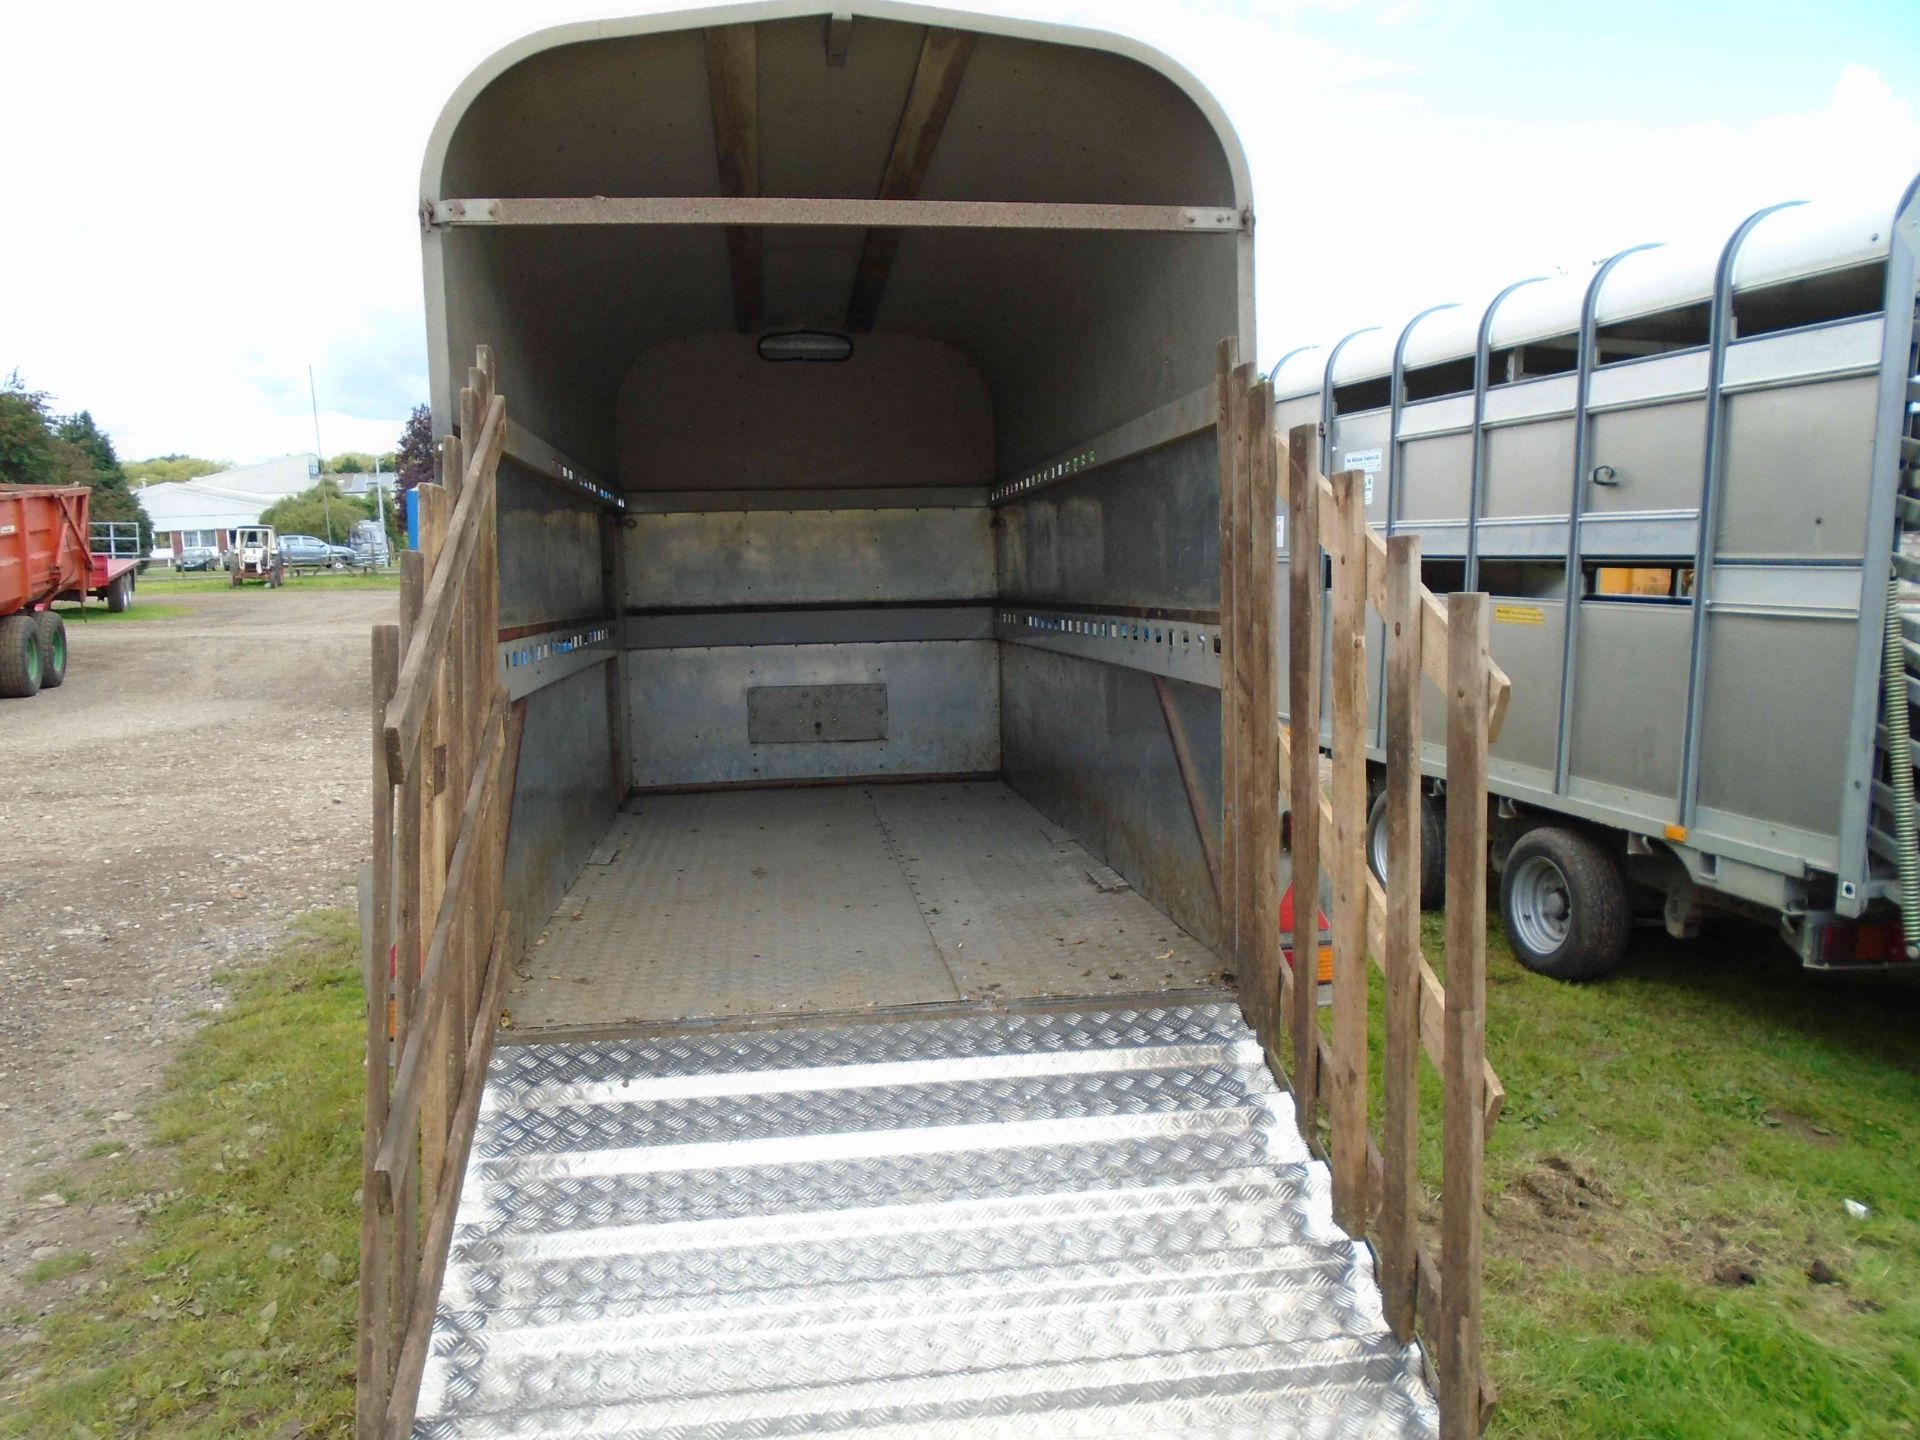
point(805, 345)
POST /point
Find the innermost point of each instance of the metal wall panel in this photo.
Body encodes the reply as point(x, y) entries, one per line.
point(549, 552)
point(1436, 476)
point(1142, 533)
point(808, 557)
point(1794, 462)
point(1527, 636)
point(565, 795)
point(1530, 468)
point(1630, 678)
point(1086, 744)
point(1656, 453)
point(1774, 737)
point(690, 712)
point(1360, 443)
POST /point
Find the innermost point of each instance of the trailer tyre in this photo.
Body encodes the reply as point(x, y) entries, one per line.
point(1564, 903)
point(53, 650)
point(120, 595)
point(1433, 848)
point(19, 657)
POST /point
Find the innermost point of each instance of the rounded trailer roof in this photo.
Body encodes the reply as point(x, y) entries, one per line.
point(1788, 242)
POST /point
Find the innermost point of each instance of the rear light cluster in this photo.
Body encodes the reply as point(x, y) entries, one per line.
point(1875, 943)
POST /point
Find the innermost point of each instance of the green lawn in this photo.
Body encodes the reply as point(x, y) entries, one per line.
point(1676, 1150)
point(97, 614)
point(172, 582)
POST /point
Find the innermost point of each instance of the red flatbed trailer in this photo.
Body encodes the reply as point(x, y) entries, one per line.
point(45, 556)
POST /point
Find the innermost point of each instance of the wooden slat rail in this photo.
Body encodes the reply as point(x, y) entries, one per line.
point(1430, 1291)
point(442, 729)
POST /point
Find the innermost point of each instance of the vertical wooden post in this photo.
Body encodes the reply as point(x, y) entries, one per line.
point(1400, 1078)
point(1303, 721)
point(1466, 1039)
point(374, 1357)
point(1227, 360)
point(1347, 1101)
point(409, 877)
point(1262, 797)
point(1245, 662)
point(436, 844)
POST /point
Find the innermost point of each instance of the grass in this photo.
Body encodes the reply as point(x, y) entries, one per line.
point(98, 614)
point(1673, 1161)
point(58, 1267)
point(231, 1311)
point(194, 582)
point(1672, 1164)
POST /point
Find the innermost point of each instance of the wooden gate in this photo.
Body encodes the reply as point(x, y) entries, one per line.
point(446, 743)
point(1280, 812)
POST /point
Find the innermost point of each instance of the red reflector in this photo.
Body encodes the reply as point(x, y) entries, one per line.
point(1836, 943)
point(1878, 943)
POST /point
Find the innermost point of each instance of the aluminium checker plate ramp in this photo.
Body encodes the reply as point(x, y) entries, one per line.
point(1097, 1224)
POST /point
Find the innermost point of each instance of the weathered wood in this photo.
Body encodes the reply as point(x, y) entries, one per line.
point(428, 645)
point(733, 88)
point(416, 1058)
point(426, 1293)
point(373, 1359)
point(1464, 1144)
point(1303, 760)
point(1347, 864)
point(1262, 823)
point(806, 211)
point(408, 875)
point(1433, 624)
point(1400, 1076)
point(1432, 996)
point(436, 828)
point(1189, 776)
point(1226, 362)
point(930, 96)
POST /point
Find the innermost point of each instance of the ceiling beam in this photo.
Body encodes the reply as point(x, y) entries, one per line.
point(936, 81)
point(733, 86)
point(804, 211)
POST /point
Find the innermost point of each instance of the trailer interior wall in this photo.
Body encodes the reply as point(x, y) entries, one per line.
point(815, 579)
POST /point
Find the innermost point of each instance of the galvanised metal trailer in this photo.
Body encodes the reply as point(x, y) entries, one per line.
point(1686, 478)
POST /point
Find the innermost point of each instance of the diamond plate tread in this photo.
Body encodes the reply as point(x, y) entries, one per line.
point(1061, 1225)
point(545, 1073)
point(1271, 1211)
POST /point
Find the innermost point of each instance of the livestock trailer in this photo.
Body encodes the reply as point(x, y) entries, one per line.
point(1687, 477)
point(844, 390)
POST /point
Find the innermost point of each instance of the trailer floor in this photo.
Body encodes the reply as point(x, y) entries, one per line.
point(737, 904)
point(1091, 1223)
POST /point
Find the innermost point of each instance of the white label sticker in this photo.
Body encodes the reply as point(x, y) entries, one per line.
point(1367, 460)
point(1367, 499)
point(1280, 532)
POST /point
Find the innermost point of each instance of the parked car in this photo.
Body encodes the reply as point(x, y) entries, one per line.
point(197, 557)
point(310, 552)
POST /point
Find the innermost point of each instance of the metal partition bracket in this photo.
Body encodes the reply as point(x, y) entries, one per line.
point(1179, 649)
point(1173, 421)
point(528, 450)
point(533, 662)
point(1719, 332)
point(1477, 481)
point(1582, 457)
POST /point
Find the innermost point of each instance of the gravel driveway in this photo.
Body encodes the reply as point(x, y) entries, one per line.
point(200, 778)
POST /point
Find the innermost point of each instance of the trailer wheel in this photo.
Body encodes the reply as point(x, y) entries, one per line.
point(119, 596)
point(53, 650)
point(19, 656)
point(1433, 848)
point(1564, 902)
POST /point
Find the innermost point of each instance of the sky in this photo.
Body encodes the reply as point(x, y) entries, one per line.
point(206, 199)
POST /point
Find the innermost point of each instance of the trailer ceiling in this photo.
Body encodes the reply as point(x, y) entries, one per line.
point(1073, 331)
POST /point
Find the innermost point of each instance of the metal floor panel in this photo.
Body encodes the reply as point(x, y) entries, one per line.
point(1021, 1225)
point(747, 903)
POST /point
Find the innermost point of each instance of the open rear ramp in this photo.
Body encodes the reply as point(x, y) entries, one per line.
point(1072, 1223)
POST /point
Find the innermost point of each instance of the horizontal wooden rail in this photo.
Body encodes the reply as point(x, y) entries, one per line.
point(852, 214)
point(403, 1120)
point(427, 646)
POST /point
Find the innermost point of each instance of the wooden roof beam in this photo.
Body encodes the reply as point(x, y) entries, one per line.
point(936, 81)
point(733, 86)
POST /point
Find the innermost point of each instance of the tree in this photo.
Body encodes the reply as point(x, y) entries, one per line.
point(414, 459)
point(171, 467)
point(27, 454)
point(350, 462)
point(89, 460)
point(325, 503)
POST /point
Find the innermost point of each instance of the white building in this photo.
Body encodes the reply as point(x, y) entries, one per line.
point(202, 511)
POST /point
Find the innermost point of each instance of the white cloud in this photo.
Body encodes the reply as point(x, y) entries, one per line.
point(224, 194)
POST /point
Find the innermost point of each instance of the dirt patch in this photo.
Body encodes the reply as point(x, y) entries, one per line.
point(195, 782)
point(1800, 1127)
point(1560, 1191)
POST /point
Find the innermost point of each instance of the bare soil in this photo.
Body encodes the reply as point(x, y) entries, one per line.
point(198, 780)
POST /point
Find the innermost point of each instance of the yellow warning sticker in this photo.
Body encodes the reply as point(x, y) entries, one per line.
point(1519, 615)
